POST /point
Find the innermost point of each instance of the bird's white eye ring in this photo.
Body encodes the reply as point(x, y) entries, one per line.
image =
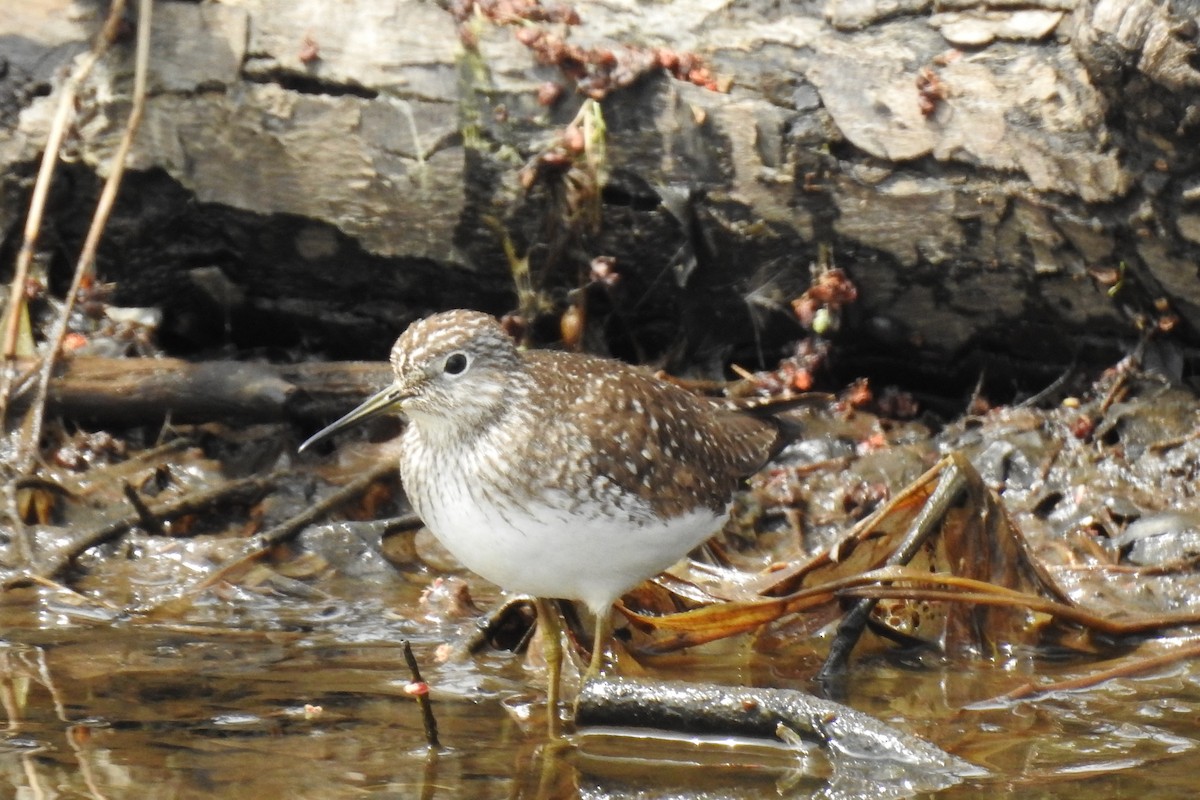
point(456, 363)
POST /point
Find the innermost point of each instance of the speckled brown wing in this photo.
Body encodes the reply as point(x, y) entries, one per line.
point(637, 438)
point(752, 440)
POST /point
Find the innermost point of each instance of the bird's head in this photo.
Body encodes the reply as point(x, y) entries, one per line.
point(453, 372)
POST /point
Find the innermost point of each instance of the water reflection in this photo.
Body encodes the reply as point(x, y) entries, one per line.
point(303, 698)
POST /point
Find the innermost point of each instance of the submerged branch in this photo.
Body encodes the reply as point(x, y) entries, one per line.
point(1126, 669)
point(715, 710)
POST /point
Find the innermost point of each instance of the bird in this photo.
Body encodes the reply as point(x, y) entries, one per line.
point(559, 475)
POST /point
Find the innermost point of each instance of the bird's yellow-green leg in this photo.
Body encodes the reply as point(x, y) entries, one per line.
point(598, 642)
point(552, 649)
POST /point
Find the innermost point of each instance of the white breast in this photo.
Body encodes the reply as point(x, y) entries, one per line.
point(553, 547)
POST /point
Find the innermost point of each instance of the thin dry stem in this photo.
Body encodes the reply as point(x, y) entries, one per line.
point(423, 700)
point(257, 545)
point(87, 256)
point(41, 190)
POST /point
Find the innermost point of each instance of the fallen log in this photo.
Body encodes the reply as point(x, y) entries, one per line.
point(137, 391)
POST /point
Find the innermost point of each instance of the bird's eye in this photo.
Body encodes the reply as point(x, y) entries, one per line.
point(456, 364)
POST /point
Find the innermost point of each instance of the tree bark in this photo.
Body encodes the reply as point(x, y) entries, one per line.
point(1009, 184)
point(139, 391)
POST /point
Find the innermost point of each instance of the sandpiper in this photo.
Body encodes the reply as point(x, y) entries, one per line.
point(555, 474)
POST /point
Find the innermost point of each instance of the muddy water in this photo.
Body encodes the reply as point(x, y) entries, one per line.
point(190, 709)
point(213, 704)
point(287, 679)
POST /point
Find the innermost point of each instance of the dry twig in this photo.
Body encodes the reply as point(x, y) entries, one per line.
point(285, 530)
point(41, 190)
point(422, 695)
point(15, 310)
point(87, 256)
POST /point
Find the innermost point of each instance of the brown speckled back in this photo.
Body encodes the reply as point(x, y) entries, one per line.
point(603, 427)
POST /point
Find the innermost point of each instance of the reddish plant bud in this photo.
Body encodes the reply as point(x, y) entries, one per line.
point(549, 93)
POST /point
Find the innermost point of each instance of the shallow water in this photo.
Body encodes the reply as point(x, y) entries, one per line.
point(287, 678)
point(188, 708)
